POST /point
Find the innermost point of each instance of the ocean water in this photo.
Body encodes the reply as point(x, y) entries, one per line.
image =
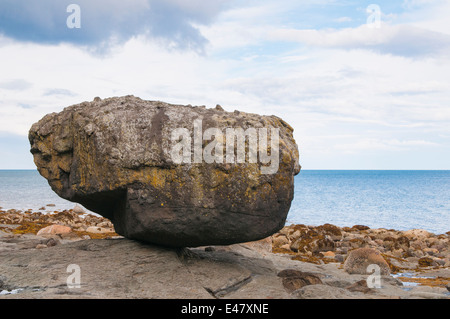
point(399, 200)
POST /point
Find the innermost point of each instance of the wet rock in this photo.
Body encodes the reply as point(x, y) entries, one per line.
point(116, 158)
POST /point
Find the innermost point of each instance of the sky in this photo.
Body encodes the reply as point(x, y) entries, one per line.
point(364, 84)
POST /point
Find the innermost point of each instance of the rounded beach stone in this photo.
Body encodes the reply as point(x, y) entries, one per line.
point(78, 209)
point(54, 230)
point(359, 260)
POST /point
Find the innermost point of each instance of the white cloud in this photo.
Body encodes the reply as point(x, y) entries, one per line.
point(106, 23)
point(375, 144)
point(402, 40)
point(16, 84)
point(341, 96)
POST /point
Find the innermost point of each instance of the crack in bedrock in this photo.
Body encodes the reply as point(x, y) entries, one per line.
point(222, 292)
point(185, 255)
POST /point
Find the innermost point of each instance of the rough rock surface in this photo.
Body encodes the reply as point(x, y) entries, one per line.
point(359, 259)
point(123, 268)
point(115, 157)
point(39, 267)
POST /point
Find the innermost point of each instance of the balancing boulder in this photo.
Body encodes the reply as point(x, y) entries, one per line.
point(173, 175)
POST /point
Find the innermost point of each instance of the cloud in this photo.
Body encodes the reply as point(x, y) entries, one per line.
point(375, 144)
point(59, 92)
point(400, 40)
point(16, 85)
point(410, 4)
point(108, 22)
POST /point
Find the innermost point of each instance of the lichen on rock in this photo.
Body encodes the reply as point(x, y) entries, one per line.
point(115, 157)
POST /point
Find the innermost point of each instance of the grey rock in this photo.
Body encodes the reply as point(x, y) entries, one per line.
point(123, 268)
point(359, 260)
point(115, 157)
point(325, 292)
point(128, 269)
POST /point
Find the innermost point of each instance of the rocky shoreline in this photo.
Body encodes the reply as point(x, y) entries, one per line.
point(299, 261)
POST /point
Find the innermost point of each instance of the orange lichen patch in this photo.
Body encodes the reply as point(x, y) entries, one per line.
point(61, 215)
point(394, 269)
point(440, 282)
point(29, 228)
point(330, 229)
point(279, 250)
point(5, 229)
point(96, 235)
point(425, 262)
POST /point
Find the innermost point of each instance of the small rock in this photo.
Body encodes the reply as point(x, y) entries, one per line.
point(359, 286)
point(439, 262)
point(359, 259)
point(104, 224)
point(360, 227)
point(431, 251)
point(78, 209)
point(50, 242)
point(54, 230)
point(280, 240)
point(295, 279)
point(416, 234)
point(328, 254)
point(426, 262)
point(51, 205)
point(40, 246)
point(98, 230)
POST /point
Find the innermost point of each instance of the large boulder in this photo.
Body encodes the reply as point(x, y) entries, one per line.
point(170, 174)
